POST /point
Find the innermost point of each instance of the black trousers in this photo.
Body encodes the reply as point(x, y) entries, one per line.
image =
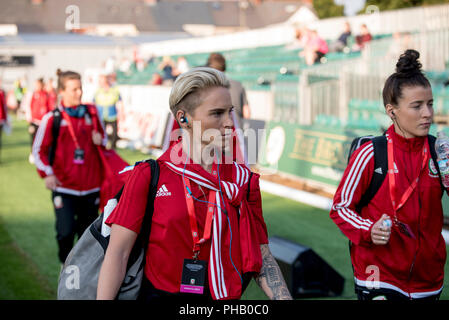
point(364, 293)
point(73, 215)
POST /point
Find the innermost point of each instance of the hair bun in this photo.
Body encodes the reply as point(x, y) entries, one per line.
point(408, 63)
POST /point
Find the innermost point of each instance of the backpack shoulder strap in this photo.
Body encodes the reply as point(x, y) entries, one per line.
point(380, 170)
point(55, 133)
point(357, 143)
point(432, 150)
point(434, 156)
point(146, 224)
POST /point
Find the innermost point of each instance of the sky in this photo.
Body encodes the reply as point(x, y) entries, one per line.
point(351, 6)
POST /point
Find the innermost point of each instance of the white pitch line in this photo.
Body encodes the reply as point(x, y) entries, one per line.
point(296, 195)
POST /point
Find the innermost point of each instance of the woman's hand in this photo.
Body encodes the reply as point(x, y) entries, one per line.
point(51, 182)
point(380, 234)
point(97, 138)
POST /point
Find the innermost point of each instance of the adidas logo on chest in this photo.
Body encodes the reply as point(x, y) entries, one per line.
point(163, 192)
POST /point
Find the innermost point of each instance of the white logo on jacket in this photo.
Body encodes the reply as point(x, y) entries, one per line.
point(163, 192)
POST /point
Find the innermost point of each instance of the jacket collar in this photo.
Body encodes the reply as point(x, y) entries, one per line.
point(406, 144)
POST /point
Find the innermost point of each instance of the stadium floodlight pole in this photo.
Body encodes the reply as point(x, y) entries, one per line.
point(243, 5)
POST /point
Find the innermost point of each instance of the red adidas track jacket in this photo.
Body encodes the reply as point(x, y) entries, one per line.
point(76, 179)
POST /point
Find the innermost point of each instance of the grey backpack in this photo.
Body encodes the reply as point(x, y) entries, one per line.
point(79, 275)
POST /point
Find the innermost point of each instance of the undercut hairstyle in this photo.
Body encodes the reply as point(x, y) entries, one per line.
point(186, 91)
point(408, 74)
point(63, 76)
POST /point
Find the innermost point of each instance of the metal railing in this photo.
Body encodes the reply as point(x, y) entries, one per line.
point(363, 77)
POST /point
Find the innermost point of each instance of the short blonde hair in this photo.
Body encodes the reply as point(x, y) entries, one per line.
point(186, 91)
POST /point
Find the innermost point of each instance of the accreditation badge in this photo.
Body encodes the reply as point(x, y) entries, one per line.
point(193, 276)
point(78, 158)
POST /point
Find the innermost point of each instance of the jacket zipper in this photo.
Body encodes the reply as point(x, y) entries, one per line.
point(416, 253)
point(410, 274)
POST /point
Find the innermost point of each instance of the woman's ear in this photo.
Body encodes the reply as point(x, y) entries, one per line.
point(181, 118)
point(389, 109)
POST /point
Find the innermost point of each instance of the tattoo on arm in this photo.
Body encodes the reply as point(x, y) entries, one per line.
point(270, 278)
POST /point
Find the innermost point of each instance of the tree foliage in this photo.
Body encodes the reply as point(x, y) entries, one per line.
point(399, 4)
point(328, 8)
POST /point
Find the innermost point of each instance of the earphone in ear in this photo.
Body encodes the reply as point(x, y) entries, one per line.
point(393, 116)
point(183, 119)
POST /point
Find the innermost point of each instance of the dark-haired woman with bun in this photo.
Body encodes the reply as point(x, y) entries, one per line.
point(397, 249)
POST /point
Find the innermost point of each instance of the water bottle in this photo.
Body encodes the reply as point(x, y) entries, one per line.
point(442, 149)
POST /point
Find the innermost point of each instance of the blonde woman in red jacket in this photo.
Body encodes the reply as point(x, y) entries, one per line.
point(406, 260)
point(204, 219)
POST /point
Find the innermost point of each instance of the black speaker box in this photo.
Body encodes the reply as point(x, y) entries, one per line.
point(307, 275)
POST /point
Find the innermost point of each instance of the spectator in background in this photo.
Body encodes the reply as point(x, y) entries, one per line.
point(362, 39)
point(342, 42)
point(167, 67)
point(3, 113)
point(181, 66)
point(106, 99)
point(52, 95)
point(302, 35)
point(156, 79)
point(238, 93)
point(38, 108)
point(315, 49)
point(19, 93)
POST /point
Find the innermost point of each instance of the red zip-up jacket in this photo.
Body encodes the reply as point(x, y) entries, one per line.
point(76, 179)
point(39, 106)
point(413, 267)
point(3, 108)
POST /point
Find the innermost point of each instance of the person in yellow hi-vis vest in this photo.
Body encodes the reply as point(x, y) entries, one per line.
point(106, 99)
